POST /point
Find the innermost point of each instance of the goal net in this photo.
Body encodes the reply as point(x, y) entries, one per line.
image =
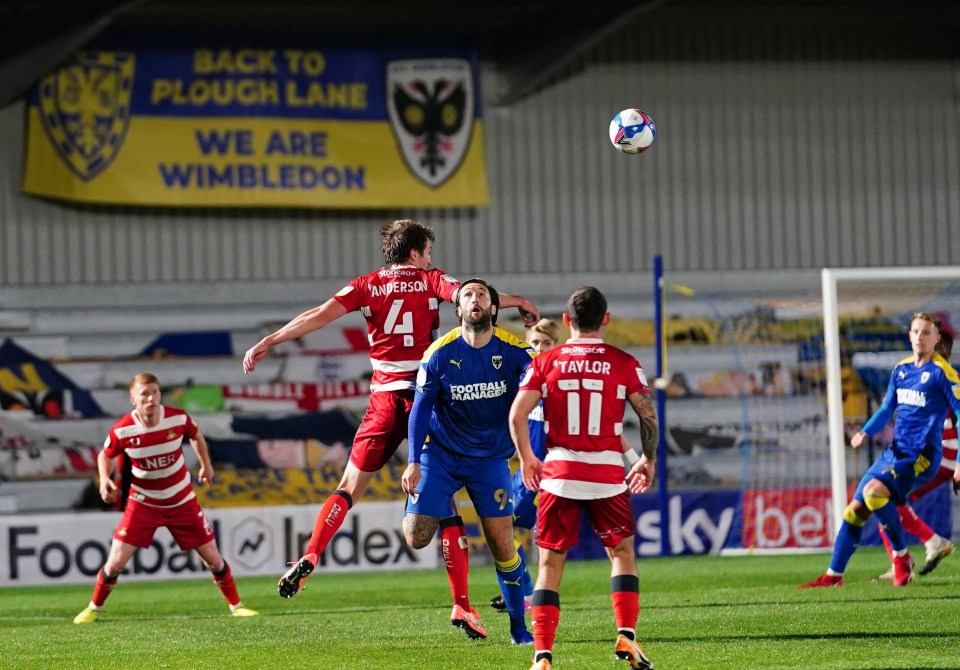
point(764, 385)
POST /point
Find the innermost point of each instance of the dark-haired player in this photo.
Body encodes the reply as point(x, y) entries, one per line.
point(458, 438)
point(401, 304)
point(585, 385)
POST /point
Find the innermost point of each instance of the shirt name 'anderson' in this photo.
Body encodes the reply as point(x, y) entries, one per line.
point(398, 287)
point(478, 391)
point(911, 397)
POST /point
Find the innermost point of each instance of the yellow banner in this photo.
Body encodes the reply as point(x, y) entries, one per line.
point(215, 125)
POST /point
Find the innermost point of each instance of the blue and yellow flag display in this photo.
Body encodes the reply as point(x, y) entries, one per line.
point(182, 122)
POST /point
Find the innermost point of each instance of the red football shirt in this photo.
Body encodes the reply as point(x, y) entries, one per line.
point(160, 475)
point(402, 309)
point(949, 461)
point(584, 384)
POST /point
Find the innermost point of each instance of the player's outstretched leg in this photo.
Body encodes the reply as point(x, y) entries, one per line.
point(101, 590)
point(846, 543)
point(328, 522)
point(289, 585)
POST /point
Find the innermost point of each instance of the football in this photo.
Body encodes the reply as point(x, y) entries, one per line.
point(632, 131)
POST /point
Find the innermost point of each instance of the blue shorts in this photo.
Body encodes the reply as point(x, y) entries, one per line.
point(443, 474)
point(899, 472)
point(524, 503)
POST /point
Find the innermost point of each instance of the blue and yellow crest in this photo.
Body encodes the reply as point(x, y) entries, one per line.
point(85, 109)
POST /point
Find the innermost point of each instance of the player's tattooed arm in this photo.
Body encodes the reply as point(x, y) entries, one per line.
point(649, 427)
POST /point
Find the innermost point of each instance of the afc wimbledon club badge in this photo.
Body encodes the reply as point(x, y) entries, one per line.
point(430, 102)
point(85, 108)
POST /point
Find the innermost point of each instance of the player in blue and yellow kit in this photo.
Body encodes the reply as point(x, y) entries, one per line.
point(459, 437)
point(543, 336)
point(922, 388)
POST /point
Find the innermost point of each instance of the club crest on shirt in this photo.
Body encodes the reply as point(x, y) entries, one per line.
point(171, 434)
point(924, 377)
point(430, 104)
point(85, 109)
point(497, 361)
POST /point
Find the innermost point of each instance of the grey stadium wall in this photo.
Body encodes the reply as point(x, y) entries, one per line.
point(782, 144)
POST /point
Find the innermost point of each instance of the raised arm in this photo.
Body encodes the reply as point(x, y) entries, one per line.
point(307, 322)
point(528, 310)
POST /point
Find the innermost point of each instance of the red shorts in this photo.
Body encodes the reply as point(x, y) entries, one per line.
point(186, 522)
point(383, 428)
point(558, 520)
point(943, 475)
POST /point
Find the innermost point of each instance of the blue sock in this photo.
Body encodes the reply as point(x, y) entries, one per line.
point(510, 576)
point(889, 518)
point(527, 579)
point(848, 539)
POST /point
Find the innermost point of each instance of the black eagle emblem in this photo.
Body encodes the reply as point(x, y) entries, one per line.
point(431, 116)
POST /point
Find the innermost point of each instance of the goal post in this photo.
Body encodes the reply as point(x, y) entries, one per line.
point(933, 282)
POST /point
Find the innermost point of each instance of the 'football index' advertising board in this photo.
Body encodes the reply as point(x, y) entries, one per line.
point(155, 121)
point(47, 549)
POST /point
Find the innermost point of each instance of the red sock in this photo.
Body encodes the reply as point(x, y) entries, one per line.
point(886, 542)
point(228, 587)
point(625, 594)
point(331, 517)
point(456, 556)
point(103, 588)
point(914, 524)
point(545, 617)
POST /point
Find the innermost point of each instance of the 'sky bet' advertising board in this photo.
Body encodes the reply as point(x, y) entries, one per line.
point(174, 120)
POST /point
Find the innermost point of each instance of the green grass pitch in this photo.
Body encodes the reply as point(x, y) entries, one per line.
point(696, 612)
